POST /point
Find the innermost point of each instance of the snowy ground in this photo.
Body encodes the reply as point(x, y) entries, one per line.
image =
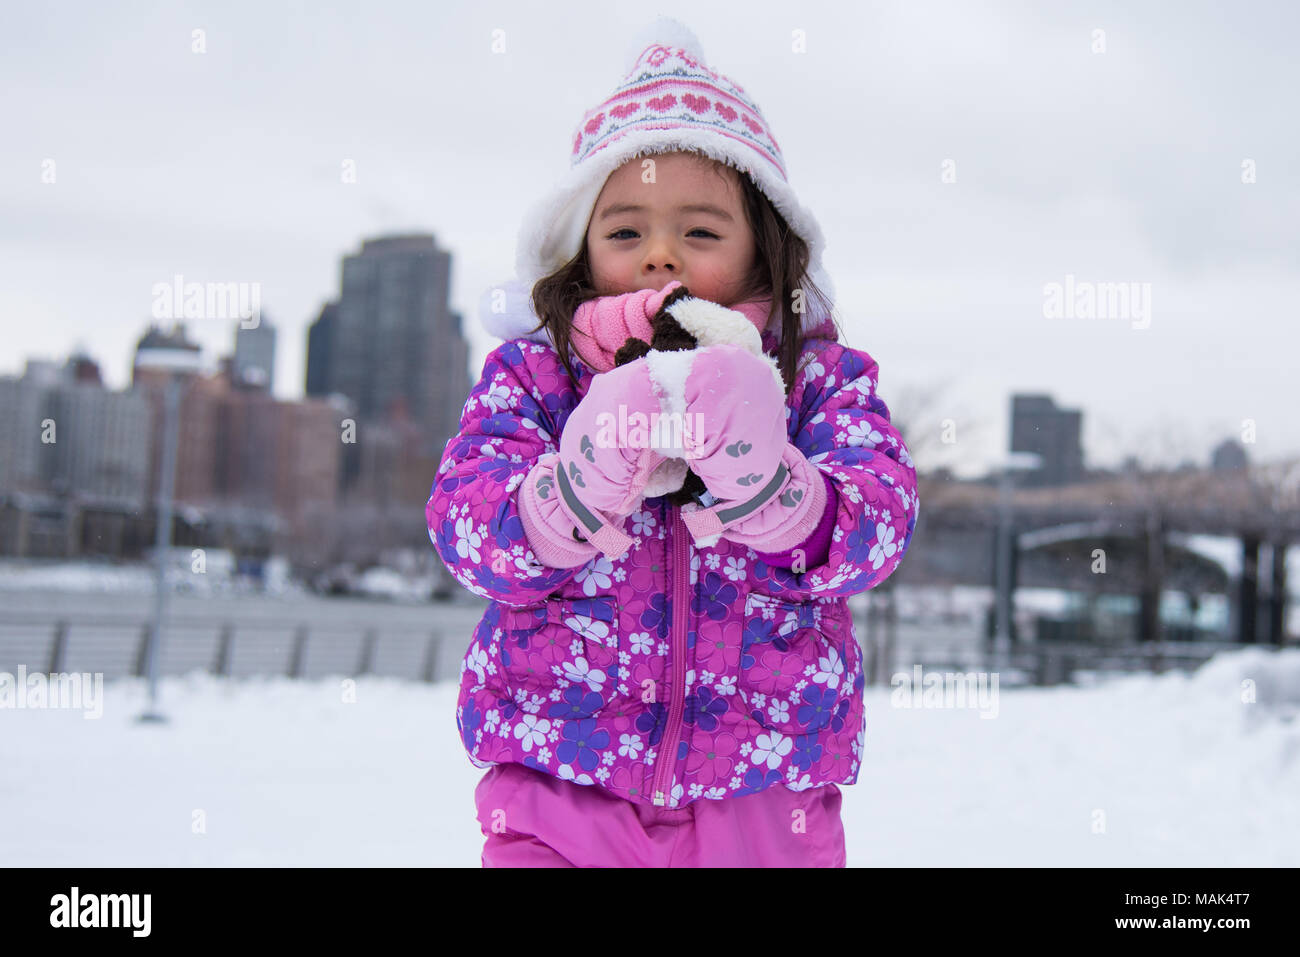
point(1175, 771)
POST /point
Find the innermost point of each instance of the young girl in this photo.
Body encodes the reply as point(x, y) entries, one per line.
point(666, 674)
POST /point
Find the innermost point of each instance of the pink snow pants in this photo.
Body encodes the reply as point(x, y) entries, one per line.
point(532, 819)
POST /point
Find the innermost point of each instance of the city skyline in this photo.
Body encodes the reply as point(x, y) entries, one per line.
point(81, 461)
point(1036, 423)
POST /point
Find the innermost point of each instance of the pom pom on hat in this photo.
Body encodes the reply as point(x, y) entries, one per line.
point(665, 32)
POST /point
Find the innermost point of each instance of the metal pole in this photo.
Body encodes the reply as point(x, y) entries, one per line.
point(1002, 630)
point(163, 538)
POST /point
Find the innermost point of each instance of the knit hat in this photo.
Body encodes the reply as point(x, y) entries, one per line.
point(669, 101)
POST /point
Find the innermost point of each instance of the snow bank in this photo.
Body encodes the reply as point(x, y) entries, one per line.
point(1170, 770)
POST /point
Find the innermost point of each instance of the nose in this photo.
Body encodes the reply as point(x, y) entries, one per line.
point(662, 263)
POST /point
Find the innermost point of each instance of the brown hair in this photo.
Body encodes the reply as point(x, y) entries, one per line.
point(780, 268)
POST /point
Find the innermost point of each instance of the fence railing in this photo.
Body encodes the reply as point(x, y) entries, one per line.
point(1048, 663)
point(118, 647)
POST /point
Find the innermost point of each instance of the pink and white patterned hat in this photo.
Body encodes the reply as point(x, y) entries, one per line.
point(670, 100)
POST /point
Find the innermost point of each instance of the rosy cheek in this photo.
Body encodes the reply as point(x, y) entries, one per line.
point(709, 281)
point(614, 275)
point(602, 270)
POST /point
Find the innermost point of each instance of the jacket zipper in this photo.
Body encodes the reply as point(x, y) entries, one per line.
point(681, 576)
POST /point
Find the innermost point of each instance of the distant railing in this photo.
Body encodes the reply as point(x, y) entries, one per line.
point(1047, 663)
point(118, 647)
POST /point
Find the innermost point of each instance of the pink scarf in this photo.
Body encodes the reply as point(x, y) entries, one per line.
point(601, 326)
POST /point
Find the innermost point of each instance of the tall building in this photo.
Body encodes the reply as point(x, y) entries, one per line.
point(253, 365)
point(102, 448)
point(310, 454)
point(391, 343)
point(64, 433)
point(1037, 425)
point(21, 403)
point(273, 455)
point(248, 426)
point(83, 368)
point(320, 346)
point(1229, 455)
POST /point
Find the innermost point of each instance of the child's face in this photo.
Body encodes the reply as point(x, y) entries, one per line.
point(709, 250)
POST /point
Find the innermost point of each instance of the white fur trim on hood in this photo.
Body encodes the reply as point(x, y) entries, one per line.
point(505, 310)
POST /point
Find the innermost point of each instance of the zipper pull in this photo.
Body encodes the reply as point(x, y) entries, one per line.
point(660, 800)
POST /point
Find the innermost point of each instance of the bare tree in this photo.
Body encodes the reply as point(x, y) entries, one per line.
point(919, 412)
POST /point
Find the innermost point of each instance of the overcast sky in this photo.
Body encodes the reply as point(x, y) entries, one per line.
point(1122, 166)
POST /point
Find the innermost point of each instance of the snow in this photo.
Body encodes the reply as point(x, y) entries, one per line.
point(387, 583)
point(1170, 770)
point(88, 576)
point(91, 576)
point(218, 577)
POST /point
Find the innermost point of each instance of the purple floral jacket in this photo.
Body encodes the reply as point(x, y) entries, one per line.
point(675, 672)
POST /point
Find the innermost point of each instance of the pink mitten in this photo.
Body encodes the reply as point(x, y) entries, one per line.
point(606, 467)
point(600, 473)
point(768, 495)
point(737, 408)
point(781, 516)
point(549, 527)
